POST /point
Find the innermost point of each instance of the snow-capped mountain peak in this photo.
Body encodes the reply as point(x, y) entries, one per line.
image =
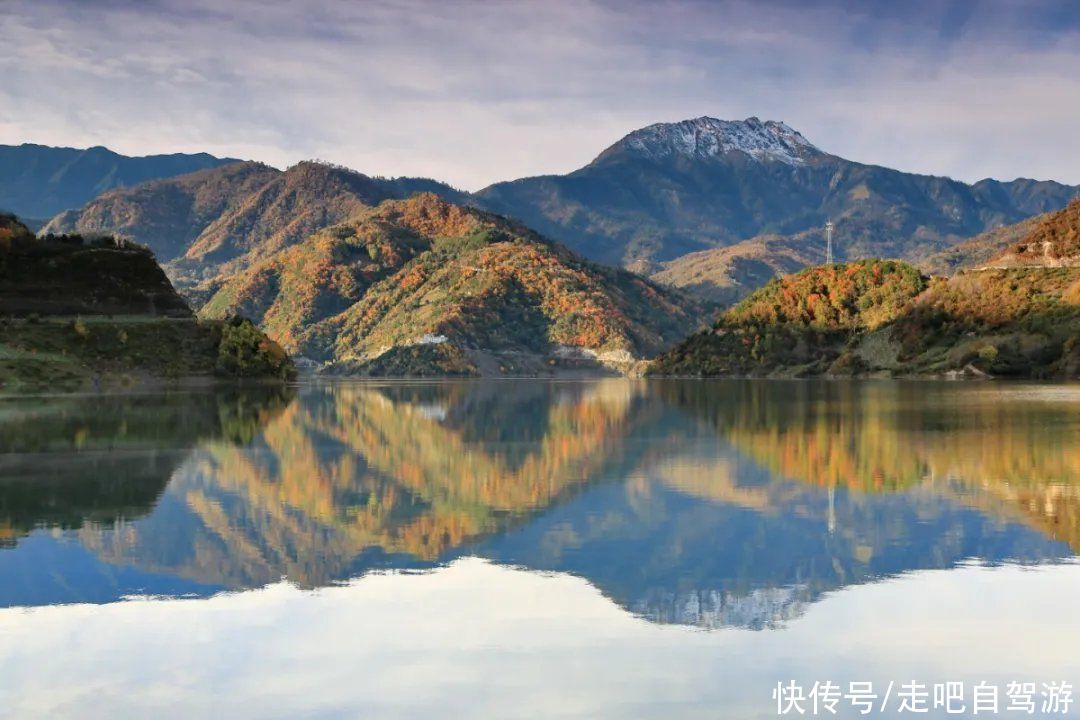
point(767, 140)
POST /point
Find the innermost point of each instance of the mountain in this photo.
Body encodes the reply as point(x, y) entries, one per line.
point(168, 216)
point(724, 275)
point(68, 276)
point(223, 219)
point(714, 206)
point(885, 317)
point(422, 286)
point(38, 181)
point(303, 253)
point(676, 188)
point(81, 314)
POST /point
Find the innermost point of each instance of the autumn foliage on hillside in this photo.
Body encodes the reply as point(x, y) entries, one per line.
point(12, 231)
point(725, 275)
point(1054, 241)
point(802, 321)
point(883, 316)
point(846, 296)
point(1016, 321)
point(319, 278)
point(421, 268)
point(978, 250)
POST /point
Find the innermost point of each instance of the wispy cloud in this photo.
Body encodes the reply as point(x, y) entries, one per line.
point(473, 92)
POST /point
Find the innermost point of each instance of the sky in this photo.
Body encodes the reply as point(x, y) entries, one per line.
point(477, 92)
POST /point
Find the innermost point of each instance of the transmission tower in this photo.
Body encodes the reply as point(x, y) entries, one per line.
point(828, 242)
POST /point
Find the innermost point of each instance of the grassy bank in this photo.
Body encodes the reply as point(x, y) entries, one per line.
point(98, 353)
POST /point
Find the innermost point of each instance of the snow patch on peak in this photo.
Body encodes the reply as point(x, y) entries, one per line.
point(709, 137)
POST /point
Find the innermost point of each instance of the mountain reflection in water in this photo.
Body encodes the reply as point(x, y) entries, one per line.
point(733, 503)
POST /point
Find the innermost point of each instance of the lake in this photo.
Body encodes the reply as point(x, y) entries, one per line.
point(529, 549)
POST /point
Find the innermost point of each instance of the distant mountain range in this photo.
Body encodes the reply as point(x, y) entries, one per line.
point(714, 206)
point(37, 181)
point(676, 188)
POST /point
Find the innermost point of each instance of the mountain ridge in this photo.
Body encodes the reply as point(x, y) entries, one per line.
point(39, 181)
point(641, 209)
point(748, 199)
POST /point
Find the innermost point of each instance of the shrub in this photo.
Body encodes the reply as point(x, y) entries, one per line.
point(80, 328)
point(244, 351)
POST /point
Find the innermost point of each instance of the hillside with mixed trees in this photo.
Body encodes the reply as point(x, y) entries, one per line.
point(424, 286)
point(726, 275)
point(978, 250)
point(325, 261)
point(800, 323)
point(1052, 240)
point(885, 317)
point(92, 313)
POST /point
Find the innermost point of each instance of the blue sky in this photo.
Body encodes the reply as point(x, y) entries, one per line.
point(476, 92)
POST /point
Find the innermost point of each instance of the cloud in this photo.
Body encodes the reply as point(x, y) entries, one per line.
point(479, 640)
point(474, 92)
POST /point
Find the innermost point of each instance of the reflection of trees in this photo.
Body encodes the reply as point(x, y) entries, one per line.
point(438, 463)
point(812, 486)
point(414, 470)
point(1013, 455)
point(109, 459)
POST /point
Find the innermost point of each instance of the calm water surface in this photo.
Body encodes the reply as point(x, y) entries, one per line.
point(607, 549)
